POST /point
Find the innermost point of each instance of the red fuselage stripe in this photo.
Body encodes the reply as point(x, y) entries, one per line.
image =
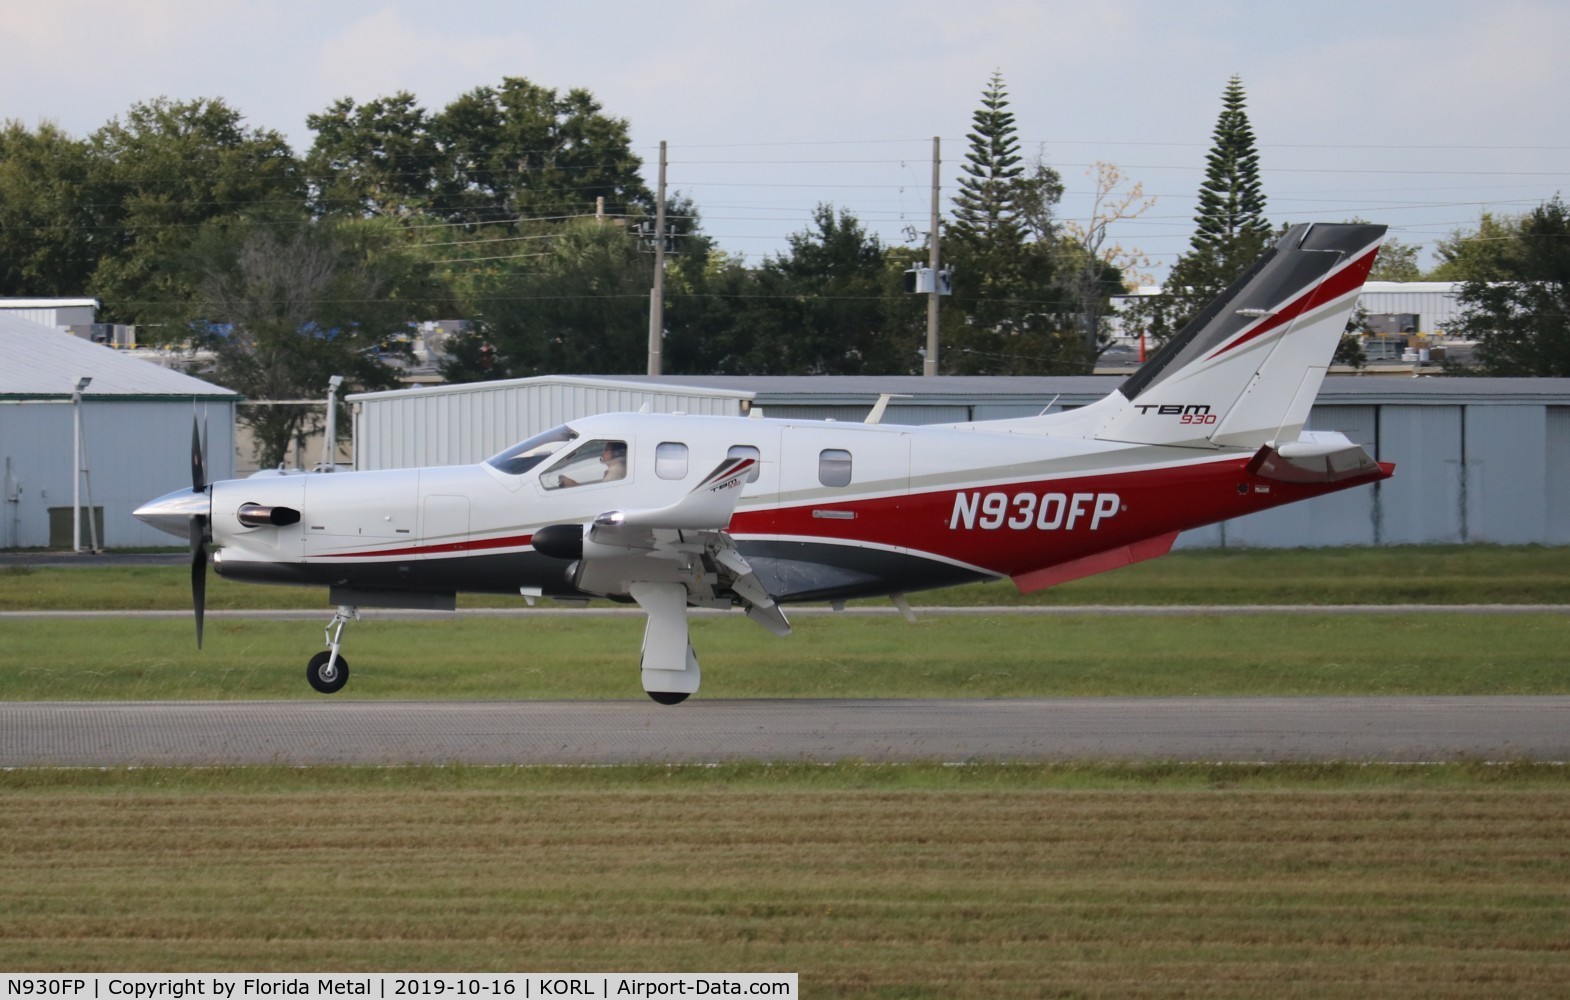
point(472, 545)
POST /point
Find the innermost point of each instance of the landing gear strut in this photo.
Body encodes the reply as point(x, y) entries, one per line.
point(670, 668)
point(328, 672)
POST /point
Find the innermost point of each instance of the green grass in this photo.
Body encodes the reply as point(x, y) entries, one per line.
point(1093, 879)
point(1402, 575)
point(868, 881)
point(547, 657)
point(1472, 574)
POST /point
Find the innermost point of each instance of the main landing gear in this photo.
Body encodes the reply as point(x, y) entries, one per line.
point(328, 672)
point(670, 667)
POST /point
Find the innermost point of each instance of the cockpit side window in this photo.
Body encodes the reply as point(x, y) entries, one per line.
point(596, 461)
point(525, 455)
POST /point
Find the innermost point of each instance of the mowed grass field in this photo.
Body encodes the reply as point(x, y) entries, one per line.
point(1102, 879)
point(868, 881)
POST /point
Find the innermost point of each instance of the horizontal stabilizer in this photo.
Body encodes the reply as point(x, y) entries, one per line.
point(1317, 458)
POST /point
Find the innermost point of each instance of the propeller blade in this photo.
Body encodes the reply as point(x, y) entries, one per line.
point(199, 571)
point(198, 458)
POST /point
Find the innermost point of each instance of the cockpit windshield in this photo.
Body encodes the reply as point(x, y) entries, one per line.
point(525, 455)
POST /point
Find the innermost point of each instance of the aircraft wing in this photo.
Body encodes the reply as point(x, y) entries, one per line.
point(708, 507)
point(685, 543)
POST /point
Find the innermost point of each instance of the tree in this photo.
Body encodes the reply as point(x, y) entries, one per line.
point(47, 245)
point(1093, 269)
point(523, 151)
point(1007, 315)
point(1397, 261)
point(986, 211)
point(820, 308)
point(1230, 229)
point(579, 307)
point(282, 309)
point(1519, 314)
point(492, 157)
point(376, 158)
point(1037, 193)
point(163, 172)
point(1482, 254)
point(709, 293)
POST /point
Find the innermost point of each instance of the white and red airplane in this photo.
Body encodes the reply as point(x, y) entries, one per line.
point(673, 511)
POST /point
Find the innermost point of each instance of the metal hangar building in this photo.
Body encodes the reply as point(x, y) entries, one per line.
point(135, 420)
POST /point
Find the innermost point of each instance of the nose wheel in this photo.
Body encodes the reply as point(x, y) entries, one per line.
point(328, 671)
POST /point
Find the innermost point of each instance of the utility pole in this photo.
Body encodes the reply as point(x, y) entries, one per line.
point(657, 293)
point(79, 463)
point(330, 447)
point(930, 365)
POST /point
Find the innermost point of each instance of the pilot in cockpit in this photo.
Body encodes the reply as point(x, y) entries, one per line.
point(614, 457)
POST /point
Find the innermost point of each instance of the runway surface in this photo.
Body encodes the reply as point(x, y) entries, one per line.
point(1402, 730)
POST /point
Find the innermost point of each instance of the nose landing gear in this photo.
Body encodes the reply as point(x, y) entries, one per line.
point(328, 672)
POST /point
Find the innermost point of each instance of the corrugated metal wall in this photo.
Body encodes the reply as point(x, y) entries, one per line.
point(136, 451)
point(1434, 302)
point(1497, 474)
point(1423, 503)
point(1505, 477)
point(407, 429)
point(1557, 461)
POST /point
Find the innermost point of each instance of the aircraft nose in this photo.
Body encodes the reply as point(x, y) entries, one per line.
point(172, 512)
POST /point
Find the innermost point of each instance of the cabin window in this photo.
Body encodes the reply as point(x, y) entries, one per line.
point(834, 467)
point(596, 461)
point(748, 451)
point(670, 460)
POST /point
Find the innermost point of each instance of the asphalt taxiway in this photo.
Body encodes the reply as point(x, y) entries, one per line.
point(298, 733)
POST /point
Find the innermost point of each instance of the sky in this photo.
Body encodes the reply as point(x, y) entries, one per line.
point(1421, 114)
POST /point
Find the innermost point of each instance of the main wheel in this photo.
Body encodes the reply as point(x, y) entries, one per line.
point(316, 673)
point(668, 697)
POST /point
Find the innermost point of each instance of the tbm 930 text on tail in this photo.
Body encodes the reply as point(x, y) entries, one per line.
point(674, 512)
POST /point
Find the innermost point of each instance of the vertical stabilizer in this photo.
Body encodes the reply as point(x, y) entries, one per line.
point(1246, 370)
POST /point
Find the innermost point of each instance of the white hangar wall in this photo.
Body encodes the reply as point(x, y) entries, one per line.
point(1477, 460)
point(136, 450)
point(136, 425)
point(463, 424)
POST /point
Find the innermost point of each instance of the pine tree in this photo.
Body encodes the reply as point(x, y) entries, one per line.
point(985, 210)
point(1231, 220)
point(1007, 316)
point(1230, 230)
